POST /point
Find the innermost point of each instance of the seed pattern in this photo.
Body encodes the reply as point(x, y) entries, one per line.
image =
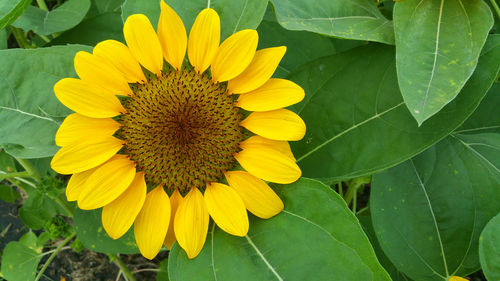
point(181, 129)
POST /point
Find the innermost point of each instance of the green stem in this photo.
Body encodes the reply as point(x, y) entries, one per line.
point(28, 166)
point(341, 191)
point(353, 187)
point(45, 38)
point(53, 255)
point(495, 7)
point(123, 268)
point(23, 174)
point(20, 37)
point(42, 5)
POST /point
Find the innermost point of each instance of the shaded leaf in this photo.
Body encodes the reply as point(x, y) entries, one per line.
point(19, 261)
point(64, 17)
point(91, 233)
point(302, 46)
point(93, 30)
point(489, 249)
point(448, 193)
point(29, 121)
point(358, 19)
point(8, 194)
point(10, 10)
point(438, 45)
point(357, 121)
point(314, 238)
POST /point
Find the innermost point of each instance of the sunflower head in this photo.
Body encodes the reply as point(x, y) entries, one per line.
point(150, 142)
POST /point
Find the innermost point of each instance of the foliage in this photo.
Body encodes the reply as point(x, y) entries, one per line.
point(401, 158)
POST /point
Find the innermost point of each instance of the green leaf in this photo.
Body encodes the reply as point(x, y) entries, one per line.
point(90, 232)
point(357, 121)
point(38, 208)
point(62, 18)
point(8, 194)
point(163, 271)
point(104, 6)
point(234, 15)
point(11, 10)
point(489, 249)
point(428, 212)
point(93, 30)
point(4, 35)
point(29, 111)
point(301, 46)
point(395, 274)
point(438, 45)
point(19, 261)
point(150, 8)
point(351, 19)
point(316, 228)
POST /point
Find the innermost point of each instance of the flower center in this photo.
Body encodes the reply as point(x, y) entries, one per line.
point(181, 129)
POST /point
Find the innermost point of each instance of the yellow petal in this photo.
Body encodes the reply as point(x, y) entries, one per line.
point(87, 99)
point(76, 184)
point(81, 156)
point(258, 197)
point(456, 278)
point(261, 68)
point(172, 35)
point(107, 183)
point(77, 127)
point(274, 94)
point(204, 39)
point(268, 164)
point(280, 124)
point(282, 146)
point(226, 208)
point(119, 215)
point(191, 223)
point(234, 55)
point(143, 42)
point(151, 224)
point(100, 72)
point(175, 201)
point(118, 55)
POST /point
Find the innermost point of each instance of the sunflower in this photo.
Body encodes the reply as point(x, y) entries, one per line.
point(151, 142)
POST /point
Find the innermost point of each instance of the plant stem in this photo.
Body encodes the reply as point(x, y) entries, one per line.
point(28, 166)
point(44, 38)
point(53, 255)
point(495, 7)
point(353, 187)
point(23, 174)
point(42, 5)
point(20, 37)
point(123, 268)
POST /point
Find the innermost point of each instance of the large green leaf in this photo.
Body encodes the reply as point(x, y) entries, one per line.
point(302, 46)
point(20, 259)
point(438, 45)
point(357, 122)
point(234, 15)
point(29, 111)
point(10, 10)
point(90, 232)
point(314, 238)
point(93, 30)
point(351, 19)
point(428, 212)
point(489, 249)
point(61, 18)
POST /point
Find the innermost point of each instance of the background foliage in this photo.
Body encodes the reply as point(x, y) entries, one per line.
point(401, 159)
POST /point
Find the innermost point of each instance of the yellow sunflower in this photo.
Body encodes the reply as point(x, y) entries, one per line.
point(179, 129)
